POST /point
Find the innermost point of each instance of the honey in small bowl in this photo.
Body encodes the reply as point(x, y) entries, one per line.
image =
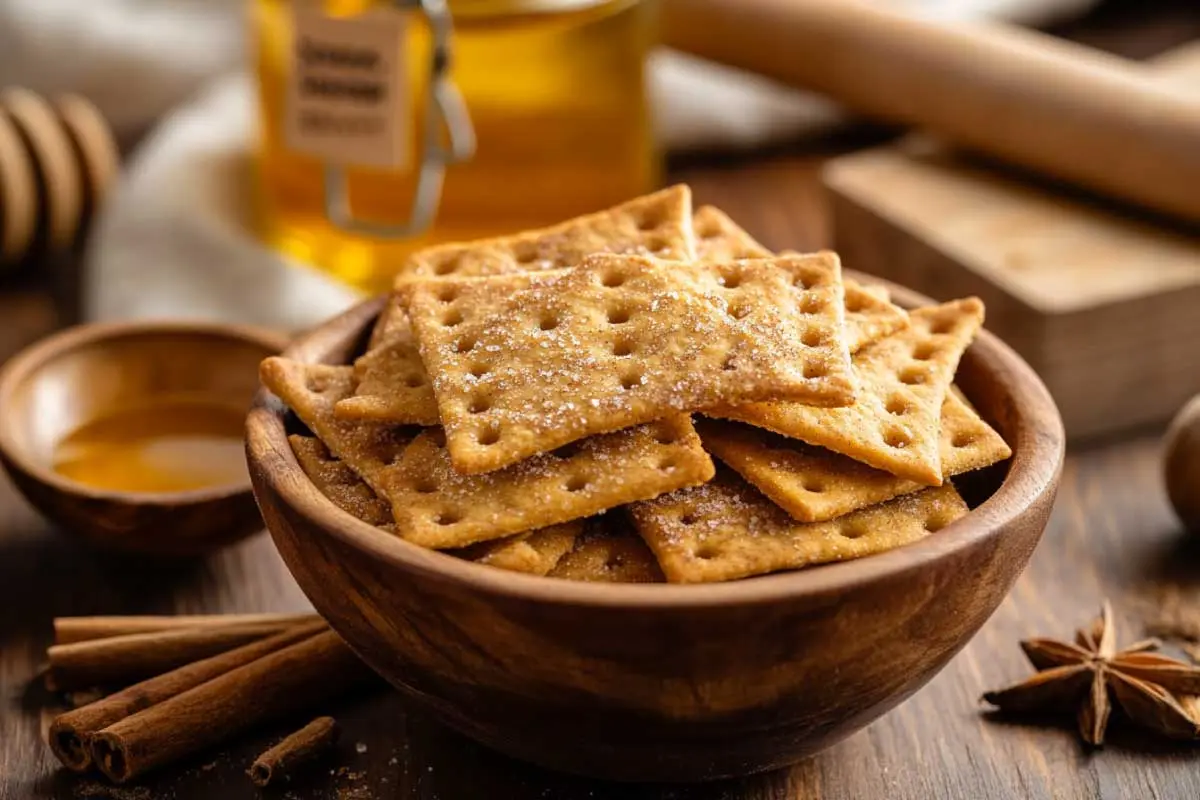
point(172, 444)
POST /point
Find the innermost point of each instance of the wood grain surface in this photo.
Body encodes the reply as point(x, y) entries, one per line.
point(1111, 535)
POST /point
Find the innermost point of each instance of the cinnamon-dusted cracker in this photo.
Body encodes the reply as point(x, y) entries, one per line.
point(903, 379)
point(622, 340)
point(338, 482)
point(658, 225)
point(392, 322)
point(437, 506)
point(535, 552)
point(813, 484)
point(719, 238)
point(870, 315)
point(311, 391)
point(609, 552)
point(726, 529)
point(391, 383)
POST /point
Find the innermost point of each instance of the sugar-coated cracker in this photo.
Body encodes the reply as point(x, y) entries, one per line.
point(392, 324)
point(895, 424)
point(658, 225)
point(391, 384)
point(437, 506)
point(338, 482)
point(813, 484)
point(312, 391)
point(622, 340)
point(870, 315)
point(609, 552)
point(534, 552)
point(726, 529)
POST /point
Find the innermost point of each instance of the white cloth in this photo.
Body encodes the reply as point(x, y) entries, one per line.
point(173, 240)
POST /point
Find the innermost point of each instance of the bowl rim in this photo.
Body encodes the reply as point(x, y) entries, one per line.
point(1037, 462)
point(28, 361)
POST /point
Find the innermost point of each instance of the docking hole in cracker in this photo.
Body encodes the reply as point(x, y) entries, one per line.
point(622, 340)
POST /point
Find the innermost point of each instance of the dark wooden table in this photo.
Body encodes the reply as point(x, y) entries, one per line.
point(1112, 535)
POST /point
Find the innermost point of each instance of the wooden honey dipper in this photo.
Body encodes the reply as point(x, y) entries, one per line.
point(58, 158)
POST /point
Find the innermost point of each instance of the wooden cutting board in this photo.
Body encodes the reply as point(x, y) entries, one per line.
point(1102, 302)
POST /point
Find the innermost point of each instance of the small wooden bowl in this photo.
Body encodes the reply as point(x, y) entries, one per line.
point(661, 682)
point(68, 379)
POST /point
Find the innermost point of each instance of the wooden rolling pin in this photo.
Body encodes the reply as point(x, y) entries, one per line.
point(1059, 108)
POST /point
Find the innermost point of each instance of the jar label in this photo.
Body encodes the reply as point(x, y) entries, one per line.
point(347, 97)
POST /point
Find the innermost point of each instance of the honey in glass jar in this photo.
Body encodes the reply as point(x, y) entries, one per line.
point(389, 126)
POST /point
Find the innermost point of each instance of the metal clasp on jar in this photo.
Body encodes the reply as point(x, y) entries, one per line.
point(444, 109)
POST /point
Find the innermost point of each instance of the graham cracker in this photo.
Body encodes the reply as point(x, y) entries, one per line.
point(870, 314)
point(658, 225)
point(338, 482)
point(726, 529)
point(535, 552)
point(622, 340)
point(814, 485)
point(312, 391)
point(903, 380)
point(609, 552)
point(437, 506)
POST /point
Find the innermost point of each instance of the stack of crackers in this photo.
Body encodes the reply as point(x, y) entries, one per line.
point(548, 403)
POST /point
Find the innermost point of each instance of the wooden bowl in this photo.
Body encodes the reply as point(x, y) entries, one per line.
point(662, 682)
point(74, 376)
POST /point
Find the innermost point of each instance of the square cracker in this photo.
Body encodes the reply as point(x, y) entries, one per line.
point(870, 315)
point(392, 383)
point(622, 340)
point(436, 506)
point(813, 484)
point(535, 552)
point(658, 225)
point(392, 323)
point(312, 391)
point(896, 422)
point(609, 552)
point(726, 529)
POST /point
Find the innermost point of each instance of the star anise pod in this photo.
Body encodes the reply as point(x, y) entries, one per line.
point(1090, 674)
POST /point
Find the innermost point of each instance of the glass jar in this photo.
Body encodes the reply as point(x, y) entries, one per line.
point(554, 92)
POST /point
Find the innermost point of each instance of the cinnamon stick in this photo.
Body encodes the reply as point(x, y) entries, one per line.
point(300, 747)
point(286, 681)
point(70, 733)
point(83, 629)
point(135, 656)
